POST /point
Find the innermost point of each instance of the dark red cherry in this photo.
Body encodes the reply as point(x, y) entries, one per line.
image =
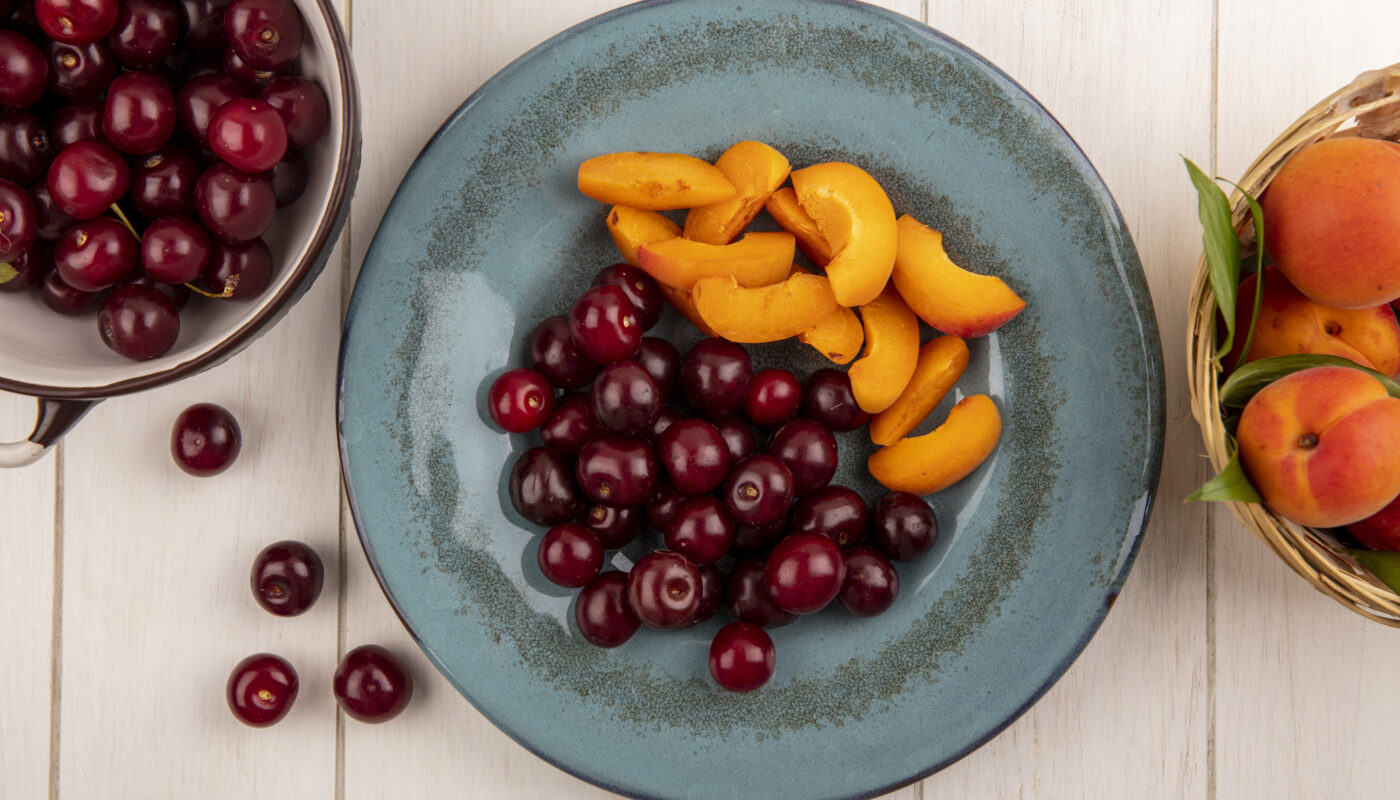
point(200, 97)
point(202, 26)
point(64, 299)
point(755, 539)
point(235, 206)
point(75, 122)
point(542, 488)
point(663, 505)
point(76, 21)
point(97, 254)
point(774, 397)
point(145, 32)
point(554, 355)
point(742, 657)
point(174, 249)
point(520, 400)
point(28, 270)
point(625, 398)
point(748, 597)
point(248, 134)
point(287, 577)
point(602, 612)
point(19, 222)
point(809, 450)
point(758, 491)
point(665, 418)
point(138, 322)
point(86, 178)
point(249, 77)
point(615, 527)
point(570, 555)
point(663, 589)
point(571, 425)
point(828, 399)
point(903, 525)
point(25, 150)
point(289, 178)
point(695, 456)
point(24, 71)
point(711, 593)
point(604, 326)
point(261, 689)
point(240, 271)
point(162, 183)
point(52, 222)
point(804, 572)
point(835, 512)
point(715, 376)
point(618, 470)
point(662, 362)
point(701, 530)
point(266, 34)
point(371, 685)
point(738, 438)
point(642, 289)
point(140, 112)
point(303, 106)
point(80, 71)
point(872, 584)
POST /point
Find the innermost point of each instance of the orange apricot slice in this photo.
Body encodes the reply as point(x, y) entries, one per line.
point(891, 352)
point(633, 227)
point(854, 214)
point(942, 361)
point(756, 170)
point(653, 181)
point(681, 300)
point(758, 259)
point(838, 335)
point(932, 462)
point(943, 294)
point(764, 313)
point(782, 206)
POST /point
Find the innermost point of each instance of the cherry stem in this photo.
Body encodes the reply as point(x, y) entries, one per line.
point(230, 286)
point(116, 209)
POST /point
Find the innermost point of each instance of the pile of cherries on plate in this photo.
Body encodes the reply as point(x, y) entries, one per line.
point(668, 441)
point(146, 145)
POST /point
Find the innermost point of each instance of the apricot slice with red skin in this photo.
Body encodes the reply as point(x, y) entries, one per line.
point(681, 300)
point(782, 206)
point(943, 294)
point(633, 227)
point(653, 181)
point(891, 352)
point(933, 462)
point(756, 170)
point(764, 313)
point(758, 259)
point(942, 361)
point(856, 218)
point(838, 335)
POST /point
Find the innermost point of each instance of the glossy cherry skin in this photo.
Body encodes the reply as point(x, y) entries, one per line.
point(249, 134)
point(570, 555)
point(827, 398)
point(145, 32)
point(200, 97)
point(75, 122)
point(205, 440)
point(25, 149)
point(774, 397)
point(520, 400)
point(872, 584)
point(265, 33)
point(748, 596)
point(665, 418)
point(249, 77)
point(162, 183)
point(663, 505)
point(52, 222)
point(571, 425)
point(602, 612)
point(755, 539)
point(202, 26)
point(715, 377)
point(139, 322)
point(903, 525)
point(80, 71)
point(261, 689)
point(625, 399)
point(542, 488)
point(662, 362)
point(554, 355)
point(804, 572)
point(663, 589)
point(642, 289)
point(742, 657)
point(835, 512)
point(287, 577)
point(618, 470)
point(615, 527)
point(739, 438)
point(235, 206)
point(604, 326)
point(371, 685)
point(97, 254)
point(758, 491)
point(140, 112)
point(64, 299)
point(303, 106)
point(701, 530)
point(24, 71)
point(19, 222)
point(809, 450)
point(86, 178)
point(711, 593)
point(289, 178)
point(174, 249)
point(250, 263)
point(695, 456)
point(76, 21)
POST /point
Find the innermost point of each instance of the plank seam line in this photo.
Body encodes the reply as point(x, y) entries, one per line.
point(56, 627)
point(1211, 598)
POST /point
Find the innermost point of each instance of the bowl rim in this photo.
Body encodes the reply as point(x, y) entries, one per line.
point(302, 273)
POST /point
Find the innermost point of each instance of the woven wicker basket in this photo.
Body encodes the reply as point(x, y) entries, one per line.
point(1369, 106)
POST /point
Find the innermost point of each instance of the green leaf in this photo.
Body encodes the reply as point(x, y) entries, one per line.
point(1246, 381)
point(1257, 214)
point(1222, 249)
point(7, 272)
point(1230, 484)
point(1383, 564)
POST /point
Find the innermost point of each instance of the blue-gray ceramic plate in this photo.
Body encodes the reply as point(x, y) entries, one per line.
point(488, 235)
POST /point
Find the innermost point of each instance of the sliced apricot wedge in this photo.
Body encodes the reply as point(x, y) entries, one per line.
point(653, 181)
point(855, 216)
point(758, 259)
point(633, 227)
point(756, 170)
point(943, 294)
point(782, 206)
point(942, 361)
point(932, 462)
point(763, 313)
point(891, 352)
point(681, 300)
point(838, 335)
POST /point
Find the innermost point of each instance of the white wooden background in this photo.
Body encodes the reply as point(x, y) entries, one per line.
point(123, 583)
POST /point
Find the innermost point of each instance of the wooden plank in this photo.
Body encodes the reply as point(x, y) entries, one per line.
point(1132, 85)
point(27, 551)
point(1303, 695)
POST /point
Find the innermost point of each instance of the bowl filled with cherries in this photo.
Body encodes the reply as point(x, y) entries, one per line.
point(173, 175)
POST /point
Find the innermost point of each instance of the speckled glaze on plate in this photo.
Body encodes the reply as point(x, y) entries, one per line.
point(488, 234)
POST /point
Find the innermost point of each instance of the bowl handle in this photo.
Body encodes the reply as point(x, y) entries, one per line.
point(56, 417)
